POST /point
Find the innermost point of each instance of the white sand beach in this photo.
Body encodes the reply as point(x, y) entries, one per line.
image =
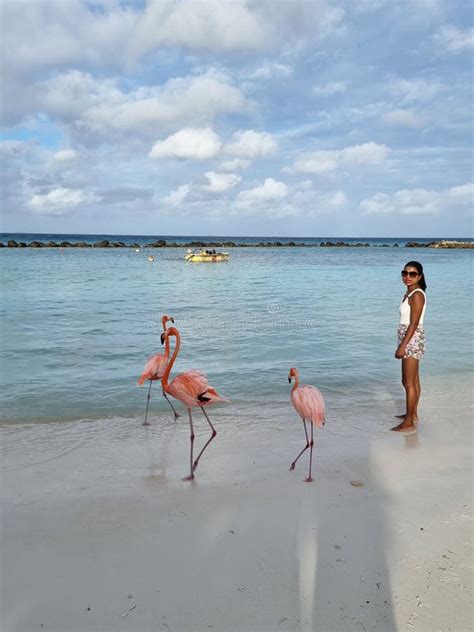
point(99, 533)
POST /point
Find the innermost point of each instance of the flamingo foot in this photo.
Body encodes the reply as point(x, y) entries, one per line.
point(176, 416)
point(146, 423)
point(310, 479)
point(292, 467)
point(190, 477)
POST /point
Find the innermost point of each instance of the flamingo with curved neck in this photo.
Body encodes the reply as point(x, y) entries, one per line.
point(309, 404)
point(155, 368)
point(193, 390)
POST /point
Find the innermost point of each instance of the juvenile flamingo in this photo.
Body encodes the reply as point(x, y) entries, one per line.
point(193, 390)
point(154, 369)
point(309, 404)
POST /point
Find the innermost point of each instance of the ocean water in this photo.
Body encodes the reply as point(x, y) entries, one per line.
point(79, 325)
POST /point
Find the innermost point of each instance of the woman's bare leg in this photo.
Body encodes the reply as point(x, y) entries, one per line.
point(418, 389)
point(410, 372)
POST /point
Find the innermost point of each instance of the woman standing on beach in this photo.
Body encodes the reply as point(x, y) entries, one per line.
point(411, 340)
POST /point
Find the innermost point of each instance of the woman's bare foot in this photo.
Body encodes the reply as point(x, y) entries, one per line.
point(405, 426)
point(415, 419)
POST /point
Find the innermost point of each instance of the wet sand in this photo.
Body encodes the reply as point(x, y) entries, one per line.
point(100, 533)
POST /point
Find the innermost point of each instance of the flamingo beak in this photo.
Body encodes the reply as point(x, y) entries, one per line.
point(172, 320)
point(289, 379)
point(162, 339)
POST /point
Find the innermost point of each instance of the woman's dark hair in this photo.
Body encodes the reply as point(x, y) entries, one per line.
point(419, 267)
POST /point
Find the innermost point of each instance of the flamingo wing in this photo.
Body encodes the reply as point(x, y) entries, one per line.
point(309, 403)
point(154, 368)
point(188, 385)
point(192, 388)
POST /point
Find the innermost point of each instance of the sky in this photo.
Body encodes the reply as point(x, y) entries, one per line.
point(237, 117)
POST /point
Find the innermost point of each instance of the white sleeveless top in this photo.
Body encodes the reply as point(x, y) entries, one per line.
point(405, 309)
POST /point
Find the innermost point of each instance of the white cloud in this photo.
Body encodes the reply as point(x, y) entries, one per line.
point(233, 165)
point(98, 108)
point(414, 90)
point(13, 147)
point(311, 202)
point(290, 20)
point(328, 89)
point(213, 25)
point(203, 25)
point(175, 198)
point(220, 182)
point(271, 190)
point(186, 100)
point(270, 70)
point(329, 160)
point(402, 118)
point(251, 144)
point(364, 154)
point(463, 192)
point(60, 200)
point(419, 201)
point(197, 144)
point(455, 40)
point(65, 155)
point(57, 34)
point(337, 199)
point(71, 95)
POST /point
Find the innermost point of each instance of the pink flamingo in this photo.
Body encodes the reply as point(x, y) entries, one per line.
point(309, 404)
point(193, 390)
point(154, 370)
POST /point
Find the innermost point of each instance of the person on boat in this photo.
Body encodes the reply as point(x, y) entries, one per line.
point(411, 341)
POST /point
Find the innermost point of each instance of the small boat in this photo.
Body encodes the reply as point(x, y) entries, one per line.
point(201, 255)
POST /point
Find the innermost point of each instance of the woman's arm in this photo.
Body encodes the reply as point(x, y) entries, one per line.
point(417, 302)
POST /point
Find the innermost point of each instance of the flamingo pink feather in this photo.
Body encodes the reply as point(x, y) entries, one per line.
point(189, 385)
point(154, 368)
point(309, 403)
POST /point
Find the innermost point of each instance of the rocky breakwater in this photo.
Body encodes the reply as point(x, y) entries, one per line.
point(161, 243)
point(444, 243)
point(452, 244)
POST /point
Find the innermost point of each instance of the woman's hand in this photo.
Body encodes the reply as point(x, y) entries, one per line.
point(400, 352)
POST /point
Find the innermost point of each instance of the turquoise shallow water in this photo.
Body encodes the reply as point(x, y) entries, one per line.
point(78, 325)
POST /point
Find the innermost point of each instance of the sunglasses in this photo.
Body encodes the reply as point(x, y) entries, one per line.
point(411, 274)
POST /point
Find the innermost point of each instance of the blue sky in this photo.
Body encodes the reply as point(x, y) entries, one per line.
point(220, 117)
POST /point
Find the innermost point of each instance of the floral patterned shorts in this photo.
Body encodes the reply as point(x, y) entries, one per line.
point(417, 343)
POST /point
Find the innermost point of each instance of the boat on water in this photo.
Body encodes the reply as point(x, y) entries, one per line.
point(202, 255)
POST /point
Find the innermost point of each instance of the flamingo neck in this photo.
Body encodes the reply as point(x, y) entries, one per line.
point(167, 342)
point(169, 366)
point(297, 382)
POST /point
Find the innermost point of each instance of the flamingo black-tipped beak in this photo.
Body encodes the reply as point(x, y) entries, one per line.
point(172, 320)
point(162, 339)
point(289, 380)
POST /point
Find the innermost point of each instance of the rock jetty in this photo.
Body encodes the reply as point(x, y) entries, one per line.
point(161, 243)
point(444, 243)
point(451, 244)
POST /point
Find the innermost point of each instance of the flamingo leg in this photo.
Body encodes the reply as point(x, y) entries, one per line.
point(146, 423)
point(214, 432)
point(292, 466)
point(191, 428)
point(176, 415)
point(310, 478)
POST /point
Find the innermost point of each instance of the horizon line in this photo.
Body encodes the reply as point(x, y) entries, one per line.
point(235, 236)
